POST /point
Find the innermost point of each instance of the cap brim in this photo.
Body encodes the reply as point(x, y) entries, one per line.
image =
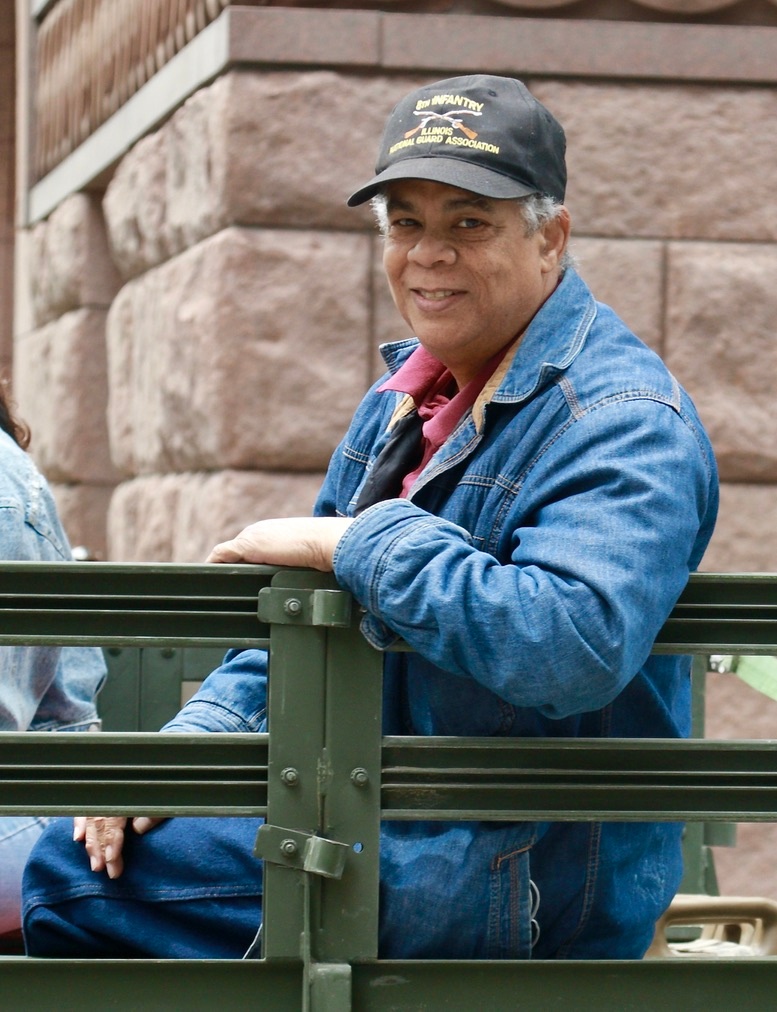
point(452, 171)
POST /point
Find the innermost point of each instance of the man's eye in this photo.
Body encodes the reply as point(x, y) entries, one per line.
point(470, 223)
point(403, 223)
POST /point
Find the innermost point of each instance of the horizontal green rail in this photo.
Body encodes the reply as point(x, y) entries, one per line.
point(395, 986)
point(617, 779)
point(429, 778)
point(128, 605)
point(133, 774)
point(320, 776)
point(202, 605)
point(728, 613)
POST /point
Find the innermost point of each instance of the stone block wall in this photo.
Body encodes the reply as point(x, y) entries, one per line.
point(60, 365)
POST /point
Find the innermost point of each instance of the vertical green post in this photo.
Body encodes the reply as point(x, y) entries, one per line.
point(324, 779)
point(296, 723)
point(119, 700)
point(348, 926)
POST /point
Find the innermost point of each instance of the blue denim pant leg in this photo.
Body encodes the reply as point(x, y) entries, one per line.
point(191, 888)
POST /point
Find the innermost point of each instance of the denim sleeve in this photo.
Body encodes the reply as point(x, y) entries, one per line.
point(70, 698)
point(595, 549)
point(42, 688)
point(232, 698)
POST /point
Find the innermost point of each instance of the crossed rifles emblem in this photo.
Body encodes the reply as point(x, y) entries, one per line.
point(453, 118)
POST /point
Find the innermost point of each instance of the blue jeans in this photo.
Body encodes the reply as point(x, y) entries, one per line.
point(191, 888)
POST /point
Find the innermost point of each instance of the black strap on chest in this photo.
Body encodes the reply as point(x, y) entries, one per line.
point(400, 456)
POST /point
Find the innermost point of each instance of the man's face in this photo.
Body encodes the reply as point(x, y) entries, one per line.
point(463, 272)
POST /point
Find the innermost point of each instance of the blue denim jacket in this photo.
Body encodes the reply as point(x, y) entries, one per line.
point(531, 567)
point(41, 688)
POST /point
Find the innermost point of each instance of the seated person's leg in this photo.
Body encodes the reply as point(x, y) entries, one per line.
point(191, 888)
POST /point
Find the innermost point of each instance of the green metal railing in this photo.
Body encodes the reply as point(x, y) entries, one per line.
point(324, 779)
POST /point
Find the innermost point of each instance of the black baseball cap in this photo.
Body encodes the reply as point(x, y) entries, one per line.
point(480, 133)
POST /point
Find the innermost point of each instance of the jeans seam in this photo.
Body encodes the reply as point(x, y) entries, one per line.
point(592, 864)
point(589, 892)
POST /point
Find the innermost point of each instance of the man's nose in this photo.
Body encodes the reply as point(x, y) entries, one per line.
point(431, 249)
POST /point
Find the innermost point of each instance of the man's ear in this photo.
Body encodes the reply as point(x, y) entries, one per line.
point(555, 236)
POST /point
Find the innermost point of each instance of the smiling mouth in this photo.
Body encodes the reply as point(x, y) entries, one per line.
point(436, 295)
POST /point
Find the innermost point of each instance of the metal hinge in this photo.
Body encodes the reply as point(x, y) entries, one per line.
point(304, 607)
point(305, 851)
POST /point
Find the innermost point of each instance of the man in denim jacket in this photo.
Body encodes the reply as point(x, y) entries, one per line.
point(521, 499)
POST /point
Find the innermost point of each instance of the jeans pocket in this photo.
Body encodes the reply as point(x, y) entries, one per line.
point(513, 906)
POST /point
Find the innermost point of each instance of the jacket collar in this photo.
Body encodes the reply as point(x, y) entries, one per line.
point(550, 344)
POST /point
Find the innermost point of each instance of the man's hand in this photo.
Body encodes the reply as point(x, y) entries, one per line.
point(104, 839)
point(307, 542)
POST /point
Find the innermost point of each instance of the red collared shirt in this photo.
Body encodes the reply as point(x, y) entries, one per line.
point(440, 403)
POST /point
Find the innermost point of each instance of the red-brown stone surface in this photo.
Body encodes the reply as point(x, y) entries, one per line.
point(180, 517)
point(61, 391)
point(249, 350)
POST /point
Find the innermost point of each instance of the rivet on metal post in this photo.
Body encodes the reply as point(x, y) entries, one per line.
point(289, 848)
point(360, 777)
point(293, 606)
point(290, 776)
